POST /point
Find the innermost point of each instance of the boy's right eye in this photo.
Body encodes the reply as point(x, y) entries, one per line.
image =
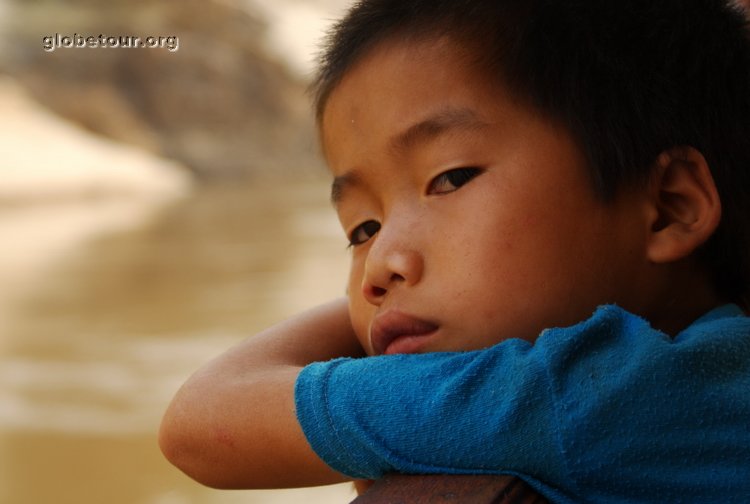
point(363, 232)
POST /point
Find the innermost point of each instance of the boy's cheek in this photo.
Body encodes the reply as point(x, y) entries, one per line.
point(361, 326)
point(361, 313)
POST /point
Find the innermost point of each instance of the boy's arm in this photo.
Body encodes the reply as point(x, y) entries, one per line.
point(233, 423)
point(432, 413)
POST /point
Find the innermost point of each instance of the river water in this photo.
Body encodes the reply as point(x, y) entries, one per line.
point(96, 339)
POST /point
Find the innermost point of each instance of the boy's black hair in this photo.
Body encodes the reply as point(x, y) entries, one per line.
point(628, 78)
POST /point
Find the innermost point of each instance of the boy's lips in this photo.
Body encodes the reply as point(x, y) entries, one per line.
point(395, 332)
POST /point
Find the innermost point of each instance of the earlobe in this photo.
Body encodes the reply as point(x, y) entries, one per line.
point(685, 203)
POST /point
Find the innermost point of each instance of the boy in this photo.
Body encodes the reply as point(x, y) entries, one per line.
point(503, 170)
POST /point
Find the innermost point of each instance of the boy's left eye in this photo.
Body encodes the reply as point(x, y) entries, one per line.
point(451, 180)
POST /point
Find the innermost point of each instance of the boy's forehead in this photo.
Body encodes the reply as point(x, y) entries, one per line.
point(425, 60)
point(406, 90)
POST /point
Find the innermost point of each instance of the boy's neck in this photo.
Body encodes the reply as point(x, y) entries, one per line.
point(688, 295)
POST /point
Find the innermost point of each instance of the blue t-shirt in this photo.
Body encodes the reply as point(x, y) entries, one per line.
point(608, 410)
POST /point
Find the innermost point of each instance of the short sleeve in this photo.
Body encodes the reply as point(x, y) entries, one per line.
point(448, 413)
point(608, 410)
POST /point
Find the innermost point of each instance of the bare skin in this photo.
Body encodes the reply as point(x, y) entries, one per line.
point(232, 424)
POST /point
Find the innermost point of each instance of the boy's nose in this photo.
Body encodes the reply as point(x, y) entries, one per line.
point(389, 269)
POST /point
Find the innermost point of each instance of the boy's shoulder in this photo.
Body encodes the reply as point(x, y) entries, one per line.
point(615, 350)
point(612, 322)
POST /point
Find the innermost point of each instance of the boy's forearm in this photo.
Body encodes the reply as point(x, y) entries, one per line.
point(233, 423)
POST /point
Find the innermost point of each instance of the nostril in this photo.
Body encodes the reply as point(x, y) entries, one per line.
point(378, 291)
point(372, 293)
point(375, 294)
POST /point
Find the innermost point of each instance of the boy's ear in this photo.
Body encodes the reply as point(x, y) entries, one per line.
point(684, 204)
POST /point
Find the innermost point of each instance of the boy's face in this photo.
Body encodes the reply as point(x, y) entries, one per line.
point(473, 218)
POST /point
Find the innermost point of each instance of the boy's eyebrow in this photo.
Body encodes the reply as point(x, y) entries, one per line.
point(450, 118)
point(340, 183)
point(445, 120)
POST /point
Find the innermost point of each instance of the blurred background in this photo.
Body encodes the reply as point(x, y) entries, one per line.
point(156, 207)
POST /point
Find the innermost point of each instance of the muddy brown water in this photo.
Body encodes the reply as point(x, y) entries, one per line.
point(95, 338)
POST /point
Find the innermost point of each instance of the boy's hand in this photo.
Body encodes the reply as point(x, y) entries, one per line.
point(363, 485)
point(233, 423)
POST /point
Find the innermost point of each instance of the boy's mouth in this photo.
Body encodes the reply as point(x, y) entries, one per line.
point(393, 332)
